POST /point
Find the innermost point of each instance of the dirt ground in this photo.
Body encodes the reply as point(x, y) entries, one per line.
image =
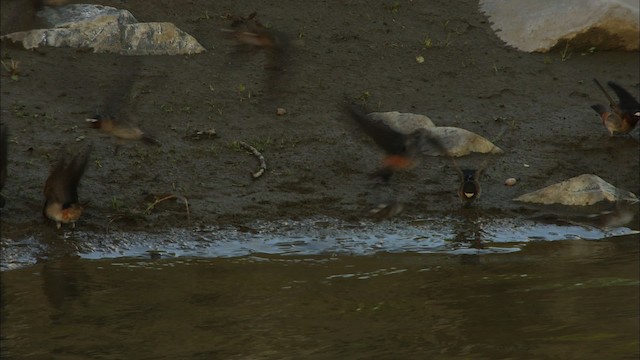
point(317, 158)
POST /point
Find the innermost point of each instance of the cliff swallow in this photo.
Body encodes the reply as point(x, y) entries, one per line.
point(403, 150)
point(121, 130)
point(4, 144)
point(61, 189)
point(249, 31)
point(621, 117)
point(469, 189)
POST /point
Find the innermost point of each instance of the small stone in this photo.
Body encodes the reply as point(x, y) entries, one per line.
point(510, 181)
point(420, 59)
point(281, 111)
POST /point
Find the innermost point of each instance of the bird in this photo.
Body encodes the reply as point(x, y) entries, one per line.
point(111, 119)
point(61, 189)
point(621, 117)
point(469, 189)
point(249, 31)
point(402, 150)
point(121, 130)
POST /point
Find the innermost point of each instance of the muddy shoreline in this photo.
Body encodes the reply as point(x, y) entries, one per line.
point(317, 158)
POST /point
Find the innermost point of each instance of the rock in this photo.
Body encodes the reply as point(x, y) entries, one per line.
point(457, 141)
point(538, 26)
point(105, 29)
point(405, 123)
point(460, 142)
point(583, 190)
point(510, 181)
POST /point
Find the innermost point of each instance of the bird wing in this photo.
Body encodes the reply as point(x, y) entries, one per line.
point(392, 141)
point(627, 102)
point(612, 103)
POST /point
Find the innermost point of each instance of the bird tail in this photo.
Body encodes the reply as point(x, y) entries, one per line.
point(150, 140)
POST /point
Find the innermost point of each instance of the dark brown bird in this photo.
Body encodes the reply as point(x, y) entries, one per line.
point(621, 117)
point(121, 130)
point(112, 120)
point(61, 189)
point(403, 150)
point(469, 189)
point(249, 31)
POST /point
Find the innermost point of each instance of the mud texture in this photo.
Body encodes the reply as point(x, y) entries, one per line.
point(318, 159)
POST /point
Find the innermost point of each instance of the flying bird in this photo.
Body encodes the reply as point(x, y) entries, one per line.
point(621, 117)
point(61, 189)
point(112, 120)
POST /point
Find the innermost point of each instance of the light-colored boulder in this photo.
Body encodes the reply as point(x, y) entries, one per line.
point(583, 190)
point(456, 141)
point(403, 122)
point(539, 25)
point(105, 29)
point(460, 142)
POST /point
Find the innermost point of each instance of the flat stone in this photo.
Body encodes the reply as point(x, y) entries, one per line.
point(583, 190)
point(405, 123)
point(105, 29)
point(539, 25)
point(457, 141)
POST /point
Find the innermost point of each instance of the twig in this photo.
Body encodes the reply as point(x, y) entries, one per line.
point(186, 204)
point(257, 154)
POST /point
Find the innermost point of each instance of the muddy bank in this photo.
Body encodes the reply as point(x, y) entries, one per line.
point(317, 159)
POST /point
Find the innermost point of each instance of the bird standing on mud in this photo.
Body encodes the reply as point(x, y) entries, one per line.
point(61, 189)
point(622, 116)
point(469, 189)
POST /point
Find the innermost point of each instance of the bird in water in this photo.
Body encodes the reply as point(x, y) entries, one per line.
point(61, 189)
point(621, 117)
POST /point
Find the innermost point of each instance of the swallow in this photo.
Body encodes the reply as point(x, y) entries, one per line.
point(121, 130)
point(403, 151)
point(249, 31)
point(621, 117)
point(61, 189)
point(469, 189)
point(4, 144)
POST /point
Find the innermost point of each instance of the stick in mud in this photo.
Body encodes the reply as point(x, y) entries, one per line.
point(257, 154)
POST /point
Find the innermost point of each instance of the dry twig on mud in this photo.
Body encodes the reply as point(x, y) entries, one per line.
point(172, 196)
point(257, 154)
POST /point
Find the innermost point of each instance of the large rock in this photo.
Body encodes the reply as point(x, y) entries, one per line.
point(457, 141)
point(583, 190)
point(539, 25)
point(105, 29)
point(405, 123)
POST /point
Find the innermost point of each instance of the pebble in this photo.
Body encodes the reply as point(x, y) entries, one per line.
point(281, 111)
point(510, 181)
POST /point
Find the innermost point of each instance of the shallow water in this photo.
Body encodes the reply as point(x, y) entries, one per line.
point(321, 289)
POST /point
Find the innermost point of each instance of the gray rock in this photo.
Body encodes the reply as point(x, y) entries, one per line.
point(539, 25)
point(403, 122)
point(460, 142)
point(583, 190)
point(457, 141)
point(106, 29)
